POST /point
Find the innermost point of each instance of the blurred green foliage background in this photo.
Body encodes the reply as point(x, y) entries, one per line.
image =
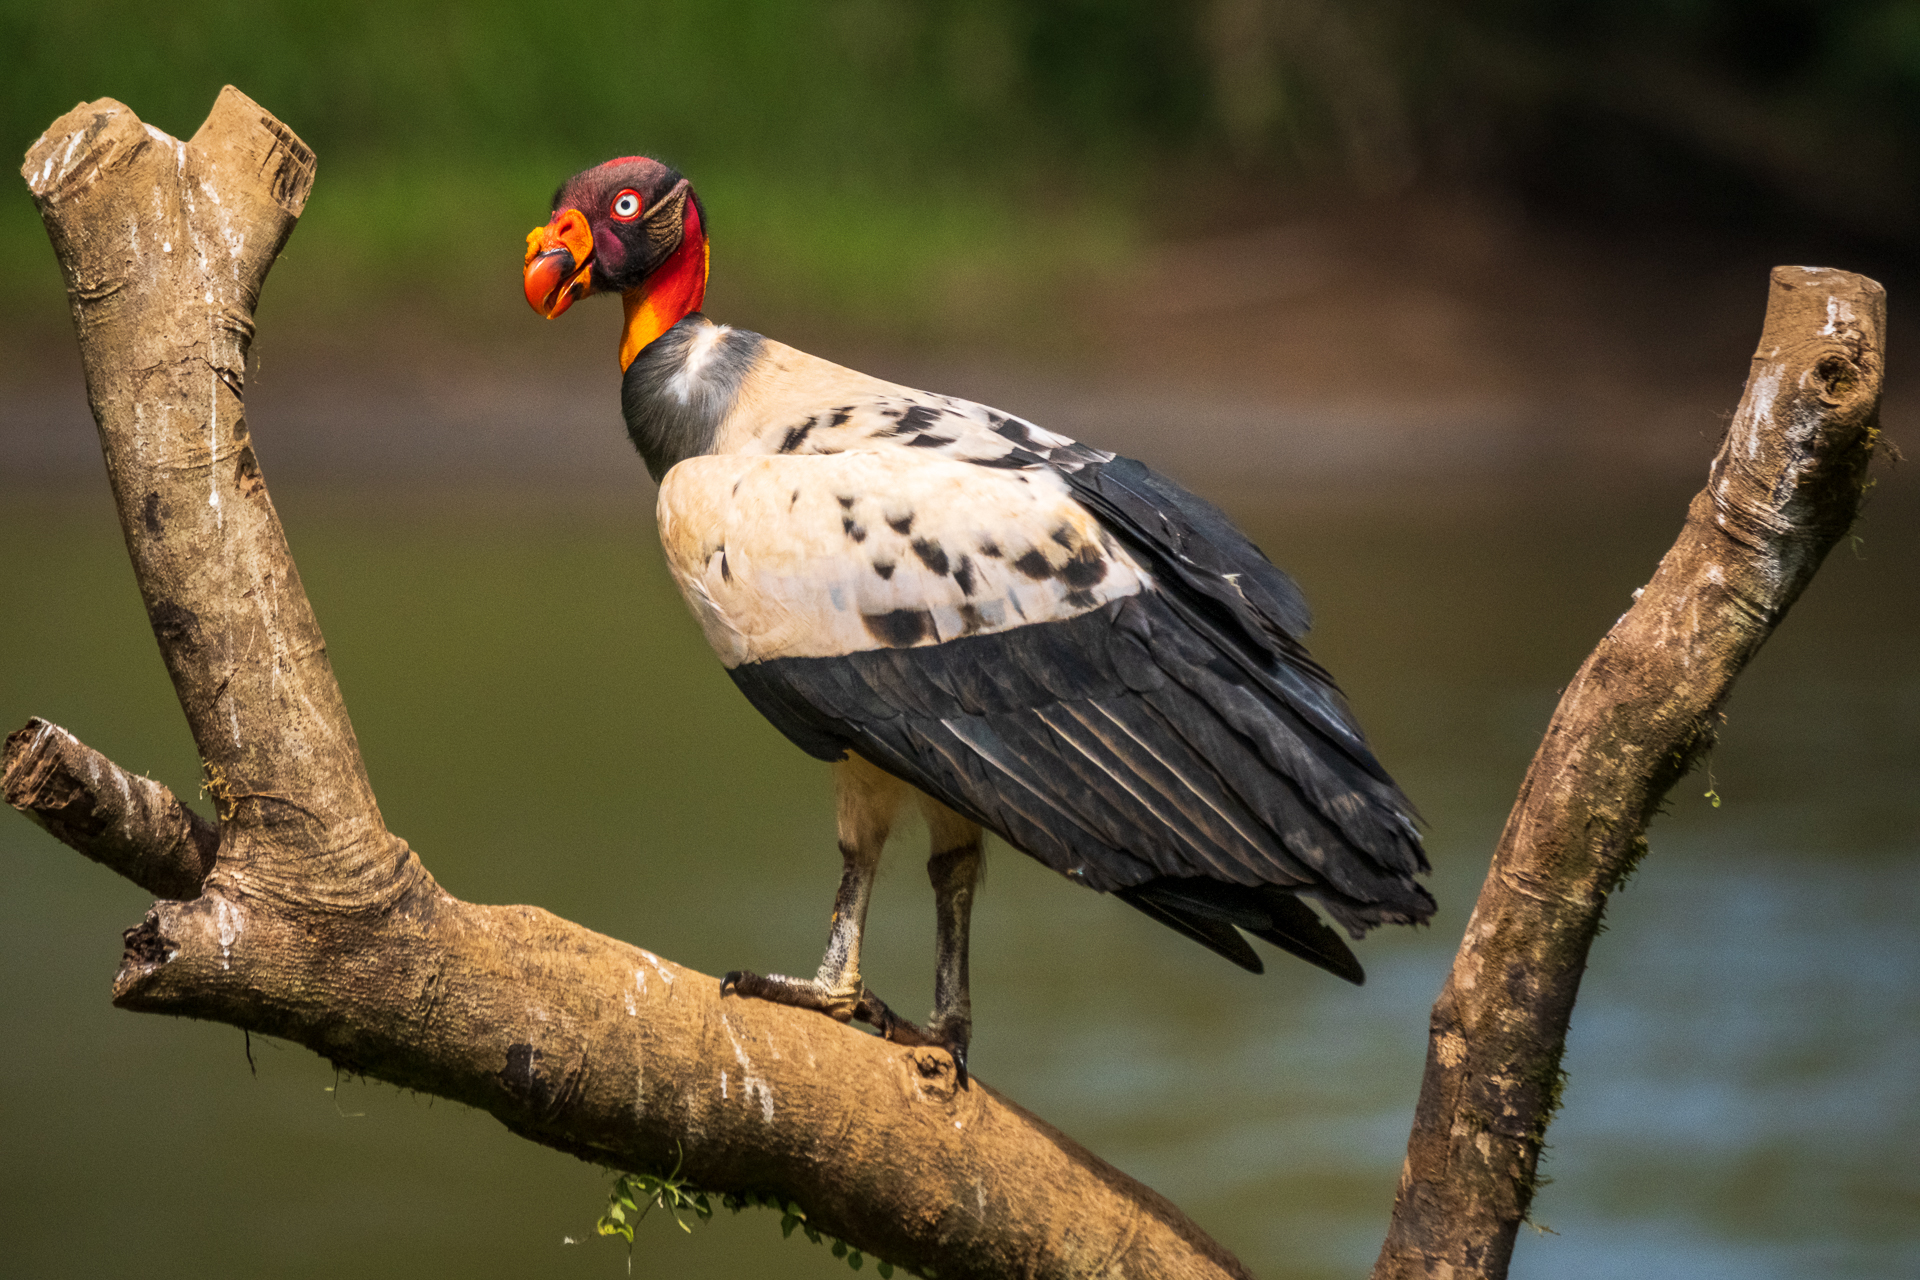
point(911, 152)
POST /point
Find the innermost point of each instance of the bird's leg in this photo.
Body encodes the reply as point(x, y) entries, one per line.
point(954, 868)
point(867, 800)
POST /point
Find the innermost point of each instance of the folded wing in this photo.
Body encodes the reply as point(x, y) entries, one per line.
point(1072, 651)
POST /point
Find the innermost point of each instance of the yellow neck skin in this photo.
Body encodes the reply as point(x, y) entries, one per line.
point(669, 295)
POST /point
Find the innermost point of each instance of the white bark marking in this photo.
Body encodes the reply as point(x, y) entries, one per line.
point(1765, 390)
point(654, 960)
point(748, 1080)
point(230, 925)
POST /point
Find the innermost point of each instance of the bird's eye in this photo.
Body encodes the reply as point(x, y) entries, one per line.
point(626, 206)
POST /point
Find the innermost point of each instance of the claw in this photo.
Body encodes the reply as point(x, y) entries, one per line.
point(873, 1011)
point(897, 1030)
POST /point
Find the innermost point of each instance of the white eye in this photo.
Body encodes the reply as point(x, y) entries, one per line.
point(626, 205)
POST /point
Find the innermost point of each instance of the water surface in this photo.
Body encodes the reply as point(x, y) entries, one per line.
point(544, 724)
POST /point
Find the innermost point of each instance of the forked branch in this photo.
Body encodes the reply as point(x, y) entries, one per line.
point(304, 917)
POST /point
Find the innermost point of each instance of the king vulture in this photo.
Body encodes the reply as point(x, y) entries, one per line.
point(1011, 630)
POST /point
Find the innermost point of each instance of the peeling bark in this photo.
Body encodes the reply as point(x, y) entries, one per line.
point(1784, 487)
point(303, 917)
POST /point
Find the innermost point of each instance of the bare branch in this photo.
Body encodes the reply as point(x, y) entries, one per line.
point(1783, 489)
point(316, 924)
point(123, 821)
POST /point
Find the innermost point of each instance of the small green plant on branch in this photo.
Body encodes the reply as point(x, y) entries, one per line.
point(634, 1195)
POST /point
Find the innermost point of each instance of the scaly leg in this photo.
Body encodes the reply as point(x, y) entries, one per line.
point(866, 800)
point(954, 868)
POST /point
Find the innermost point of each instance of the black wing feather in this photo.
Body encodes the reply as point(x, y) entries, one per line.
point(1178, 748)
point(1226, 587)
point(1112, 787)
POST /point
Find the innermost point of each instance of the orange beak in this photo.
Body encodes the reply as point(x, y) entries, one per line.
point(559, 263)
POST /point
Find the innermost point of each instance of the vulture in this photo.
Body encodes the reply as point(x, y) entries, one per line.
point(1013, 631)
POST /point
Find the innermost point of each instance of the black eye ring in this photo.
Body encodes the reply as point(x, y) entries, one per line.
point(626, 206)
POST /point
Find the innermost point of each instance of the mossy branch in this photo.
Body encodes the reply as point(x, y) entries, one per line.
point(1783, 489)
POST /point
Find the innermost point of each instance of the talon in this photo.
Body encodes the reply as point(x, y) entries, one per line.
point(730, 981)
point(873, 1011)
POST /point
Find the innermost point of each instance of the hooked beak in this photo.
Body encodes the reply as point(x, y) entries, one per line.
point(559, 263)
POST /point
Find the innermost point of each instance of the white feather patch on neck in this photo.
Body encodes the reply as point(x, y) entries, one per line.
point(699, 352)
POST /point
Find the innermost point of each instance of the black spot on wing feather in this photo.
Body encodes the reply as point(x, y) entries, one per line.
point(920, 417)
point(990, 548)
point(846, 501)
point(1084, 568)
point(899, 627)
point(903, 525)
point(931, 554)
point(1034, 564)
point(884, 568)
point(840, 417)
point(796, 436)
point(963, 576)
point(929, 440)
point(1012, 428)
point(853, 528)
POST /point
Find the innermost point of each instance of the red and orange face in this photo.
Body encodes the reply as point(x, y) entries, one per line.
point(630, 226)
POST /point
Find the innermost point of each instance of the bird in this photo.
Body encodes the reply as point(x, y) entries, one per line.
point(969, 614)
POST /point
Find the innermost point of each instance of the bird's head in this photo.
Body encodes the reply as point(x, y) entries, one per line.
point(630, 226)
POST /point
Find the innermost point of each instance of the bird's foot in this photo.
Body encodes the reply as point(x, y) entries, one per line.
point(801, 993)
point(951, 1034)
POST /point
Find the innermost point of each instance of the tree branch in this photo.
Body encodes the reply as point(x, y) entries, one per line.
point(130, 824)
point(1784, 487)
point(304, 917)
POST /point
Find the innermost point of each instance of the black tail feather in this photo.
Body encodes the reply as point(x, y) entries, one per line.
point(1210, 911)
point(1296, 929)
point(1215, 935)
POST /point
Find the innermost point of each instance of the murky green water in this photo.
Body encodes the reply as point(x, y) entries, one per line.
point(544, 724)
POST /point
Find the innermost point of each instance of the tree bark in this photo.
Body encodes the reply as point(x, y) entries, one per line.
point(303, 917)
point(1784, 487)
